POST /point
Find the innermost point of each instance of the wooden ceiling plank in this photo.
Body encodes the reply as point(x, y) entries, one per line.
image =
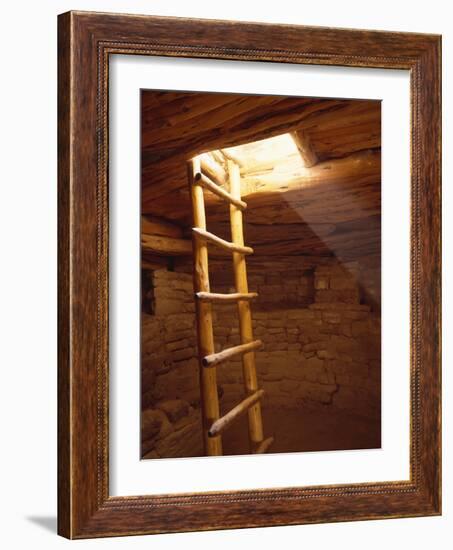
point(153, 225)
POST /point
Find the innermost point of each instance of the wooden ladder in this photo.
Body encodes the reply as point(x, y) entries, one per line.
point(213, 423)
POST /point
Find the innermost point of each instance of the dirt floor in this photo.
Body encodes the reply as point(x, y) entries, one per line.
point(297, 430)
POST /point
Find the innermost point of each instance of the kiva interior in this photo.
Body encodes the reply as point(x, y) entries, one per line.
point(309, 171)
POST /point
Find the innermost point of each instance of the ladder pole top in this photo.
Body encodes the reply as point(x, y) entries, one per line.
point(207, 183)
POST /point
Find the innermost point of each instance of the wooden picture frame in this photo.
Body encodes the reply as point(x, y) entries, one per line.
point(85, 41)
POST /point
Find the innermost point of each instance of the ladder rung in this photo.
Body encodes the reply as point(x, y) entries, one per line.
point(219, 425)
point(208, 184)
point(224, 355)
point(264, 445)
point(220, 242)
point(233, 297)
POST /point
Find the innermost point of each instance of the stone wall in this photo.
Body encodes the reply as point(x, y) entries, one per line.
point(321, 348)
point(170, 390)
point(369, 279)
point(326, 353)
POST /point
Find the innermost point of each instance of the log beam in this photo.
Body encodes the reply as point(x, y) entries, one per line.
point(213, 169)
point(351, 171)
point(153, 225)
point(232, 157)
point(357, 175)
point(166, 246)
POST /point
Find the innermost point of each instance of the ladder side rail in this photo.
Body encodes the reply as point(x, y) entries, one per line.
point(208, 377)
point(245, 318)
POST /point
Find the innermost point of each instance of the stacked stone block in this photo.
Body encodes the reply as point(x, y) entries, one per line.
point(321, 348)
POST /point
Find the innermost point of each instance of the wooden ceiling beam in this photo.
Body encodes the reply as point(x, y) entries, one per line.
point(166, 246)
point(213, 169)
point(353, 184)
point(354, 169)
point(153, 225)
point(339, 141)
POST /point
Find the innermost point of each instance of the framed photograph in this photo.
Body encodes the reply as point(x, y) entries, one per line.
point(249, 275)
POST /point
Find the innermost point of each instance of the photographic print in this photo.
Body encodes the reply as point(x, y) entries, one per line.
point(221, 357)
point(260, 275)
